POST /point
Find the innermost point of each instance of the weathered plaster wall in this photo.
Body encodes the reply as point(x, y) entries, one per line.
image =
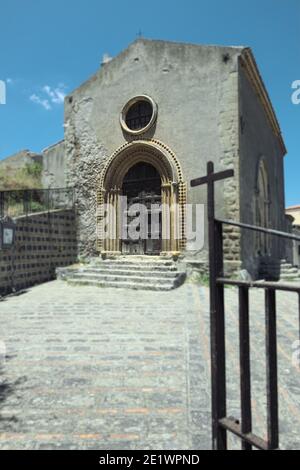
point(43, 242)
point(196, 90)
point(53, 174)
point(258, 141)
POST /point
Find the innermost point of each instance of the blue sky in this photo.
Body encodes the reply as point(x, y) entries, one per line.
point(49, 48)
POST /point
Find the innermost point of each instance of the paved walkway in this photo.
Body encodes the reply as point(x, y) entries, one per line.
point(94, 368)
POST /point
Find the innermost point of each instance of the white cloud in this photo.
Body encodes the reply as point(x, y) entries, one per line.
point(56, 95)
point(43, 102)
point(49, 96)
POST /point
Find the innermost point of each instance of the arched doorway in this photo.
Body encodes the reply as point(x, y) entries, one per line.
point(147, 171)
point(142, 190)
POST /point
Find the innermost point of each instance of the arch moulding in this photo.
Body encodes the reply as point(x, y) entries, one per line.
point(173, 192)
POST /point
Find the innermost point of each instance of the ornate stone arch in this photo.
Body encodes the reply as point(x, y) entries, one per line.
point(173, 190)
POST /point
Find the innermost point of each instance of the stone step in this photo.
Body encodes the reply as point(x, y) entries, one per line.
point(134, 261)
point(127, 268)
point(289, 271)
point(125, 284)
point(120, 271)
point(128, 272)
point(286, 265)
point(134, 272)
point(290, 275)
point(115, 277)
point(131, 265)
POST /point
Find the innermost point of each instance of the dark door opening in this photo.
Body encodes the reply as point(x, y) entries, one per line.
point(142, 187)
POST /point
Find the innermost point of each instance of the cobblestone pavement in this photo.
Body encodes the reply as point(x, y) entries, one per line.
point(92, 368)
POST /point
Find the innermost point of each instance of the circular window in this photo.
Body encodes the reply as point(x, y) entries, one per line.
point(138, 115)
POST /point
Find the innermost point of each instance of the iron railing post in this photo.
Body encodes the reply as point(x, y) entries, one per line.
point(25, 202)
point(299, 314)
point(217, 322)
point(272, 381)
point(48, 199)
point(245, 374)
point(1, 204)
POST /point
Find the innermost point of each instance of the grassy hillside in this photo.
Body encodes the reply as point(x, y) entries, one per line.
point(28, 177)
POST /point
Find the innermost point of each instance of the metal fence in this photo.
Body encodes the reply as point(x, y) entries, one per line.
point(221, 423)
point(16, 203)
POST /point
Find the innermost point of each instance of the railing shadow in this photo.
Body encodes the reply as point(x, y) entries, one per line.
point(7, 390)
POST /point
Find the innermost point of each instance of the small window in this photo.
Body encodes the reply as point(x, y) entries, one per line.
point(139, 115)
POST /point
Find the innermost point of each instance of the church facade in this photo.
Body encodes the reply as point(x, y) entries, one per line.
point(147, 123)
point(143, 127)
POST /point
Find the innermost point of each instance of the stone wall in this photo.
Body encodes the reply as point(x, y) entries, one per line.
point(44, 241)
point(85, 158)
point(229, 131)
point(53, 173)
point(257, 142)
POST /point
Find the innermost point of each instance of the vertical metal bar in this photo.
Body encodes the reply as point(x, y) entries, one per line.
point(220, 333)
point(299, 313)
point(217, 331)
point(272, 381)
point(49, 192)
point(1, 204)
point(245, 372)
point(25, 201)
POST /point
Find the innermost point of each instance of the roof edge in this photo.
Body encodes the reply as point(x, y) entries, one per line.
point(250, 65)
point(146, 41)
point(53, 145)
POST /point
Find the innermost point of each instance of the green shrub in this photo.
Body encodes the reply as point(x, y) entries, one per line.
point(27, 177)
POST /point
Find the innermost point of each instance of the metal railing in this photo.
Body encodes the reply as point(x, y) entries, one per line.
point(15, 203)
point(221, 423)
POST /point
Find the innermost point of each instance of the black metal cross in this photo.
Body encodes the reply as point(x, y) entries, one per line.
point(217, 321)
point(211, 176)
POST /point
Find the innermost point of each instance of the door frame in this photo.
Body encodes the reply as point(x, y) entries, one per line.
point(173, 196)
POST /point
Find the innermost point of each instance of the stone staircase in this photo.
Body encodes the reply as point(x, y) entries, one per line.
point(281, 269)
point(129, 272)
point(288, 272)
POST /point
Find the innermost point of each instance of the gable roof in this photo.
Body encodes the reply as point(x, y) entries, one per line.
point(247, 60)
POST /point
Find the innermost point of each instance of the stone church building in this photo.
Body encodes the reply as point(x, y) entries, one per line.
point(148, 122)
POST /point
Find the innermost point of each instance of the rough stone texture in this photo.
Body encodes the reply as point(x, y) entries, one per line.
point(84, 161)
point(229, 130)
point(53, 160)
point(104, 369)
point(44, 241)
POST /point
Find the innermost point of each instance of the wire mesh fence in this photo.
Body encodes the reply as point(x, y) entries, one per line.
point(15, 203)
